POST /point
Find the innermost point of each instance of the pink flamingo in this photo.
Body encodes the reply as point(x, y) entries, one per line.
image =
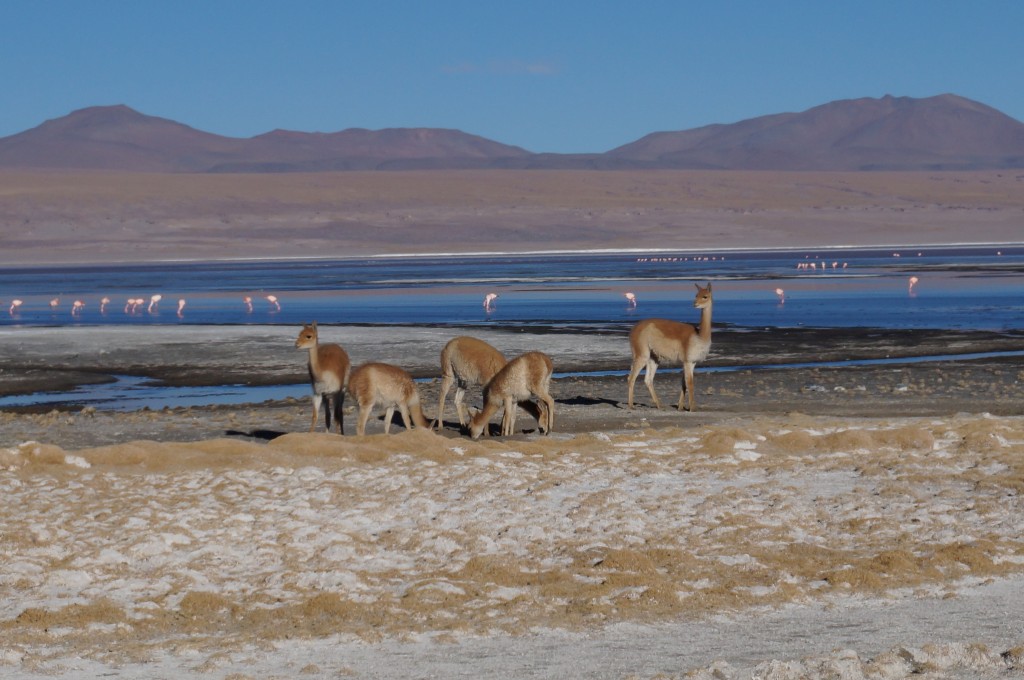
point(489, 301)
point(248, 304)
point(103, 305)
point(153, 301)
point(76, 307)
point(54, 303)
point(630, 298)
point(911, 283)
point(181, 307)
point(14, 306)
point(272, 299)
point(782, 295)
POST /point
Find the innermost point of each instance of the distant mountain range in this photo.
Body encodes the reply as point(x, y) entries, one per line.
point(945, 132)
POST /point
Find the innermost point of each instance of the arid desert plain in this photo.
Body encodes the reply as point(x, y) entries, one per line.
point(820, 522)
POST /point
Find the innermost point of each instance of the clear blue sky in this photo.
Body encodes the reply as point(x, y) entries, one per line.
point(559, 76)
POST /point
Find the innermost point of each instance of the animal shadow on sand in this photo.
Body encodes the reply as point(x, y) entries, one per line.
point(589, 401)
point(265, 435)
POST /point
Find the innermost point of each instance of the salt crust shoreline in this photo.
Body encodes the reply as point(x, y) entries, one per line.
point(842, 247)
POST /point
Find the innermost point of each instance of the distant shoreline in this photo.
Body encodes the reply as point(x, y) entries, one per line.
point(582, 252)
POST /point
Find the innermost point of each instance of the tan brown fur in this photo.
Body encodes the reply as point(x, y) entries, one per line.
point(389, 386)
point(525, 376)
point(329, 368)
point(466, 362)
point(653, 341)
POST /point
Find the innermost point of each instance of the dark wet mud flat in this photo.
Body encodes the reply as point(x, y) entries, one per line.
point(251, 382)
point(42, 360)
point(584, 403)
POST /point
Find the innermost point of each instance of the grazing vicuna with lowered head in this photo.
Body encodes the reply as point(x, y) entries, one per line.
point(525, 376)
point(328, 373)
point(465, 361)
point(656, 340)
point(388, 386)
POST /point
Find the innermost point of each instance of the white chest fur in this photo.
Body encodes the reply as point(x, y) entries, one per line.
point(698, 349)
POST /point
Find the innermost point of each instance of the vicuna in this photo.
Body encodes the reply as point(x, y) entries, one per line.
point(328, 373)
point(525, 376)
point(377, 384)
point(465, 362)
point(654, 341)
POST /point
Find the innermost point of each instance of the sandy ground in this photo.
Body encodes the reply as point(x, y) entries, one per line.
point(858, 521)
point(77, 218)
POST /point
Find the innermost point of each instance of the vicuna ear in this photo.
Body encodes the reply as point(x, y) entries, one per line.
point(697, 286)
point(313, 325)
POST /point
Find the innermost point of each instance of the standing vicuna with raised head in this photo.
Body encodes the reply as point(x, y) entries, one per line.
point(389, 386)
point(656, 340)
point(328, 372)
point(465, 361)
point(525, 376)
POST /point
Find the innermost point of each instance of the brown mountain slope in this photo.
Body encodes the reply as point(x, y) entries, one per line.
point(116, 138)
point(945, 132)
point(892, 133)
point(119, 138)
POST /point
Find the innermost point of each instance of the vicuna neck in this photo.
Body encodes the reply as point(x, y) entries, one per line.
point(705, 323)
point(314, 358)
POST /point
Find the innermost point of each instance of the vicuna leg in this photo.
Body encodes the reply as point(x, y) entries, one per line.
point(447, 380)
point(544, 412)
point(549, 415)
point(460, 407)
point(327, 410)
point(508, 420)
point(364, 415)
point(652, 368)
point(404, 410)
point(687, 386)
point(317, 400)
point(339, 405)
point(389, 413)
point(638, 365)
point(634, 371)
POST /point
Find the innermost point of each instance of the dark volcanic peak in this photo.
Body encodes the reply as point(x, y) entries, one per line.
point(897, 133)
point(890, 133)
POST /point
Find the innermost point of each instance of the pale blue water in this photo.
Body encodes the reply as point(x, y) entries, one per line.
point(957, 288)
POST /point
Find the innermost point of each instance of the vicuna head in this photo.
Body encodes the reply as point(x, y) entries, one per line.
point(307, 337)
point(703, 298)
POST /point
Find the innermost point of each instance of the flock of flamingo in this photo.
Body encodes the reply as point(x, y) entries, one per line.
point(135, 306)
